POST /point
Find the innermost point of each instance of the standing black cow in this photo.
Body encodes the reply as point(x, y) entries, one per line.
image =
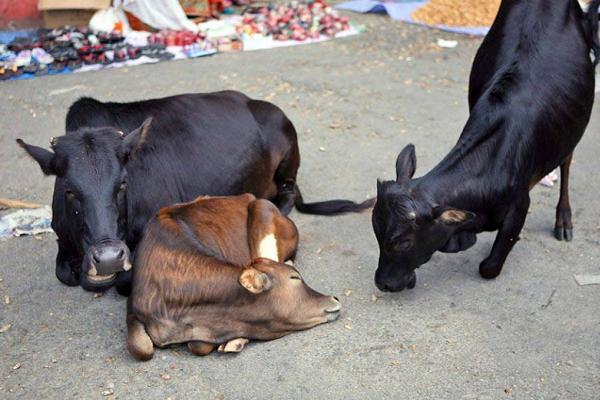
point(531, 96)
point(110, 183)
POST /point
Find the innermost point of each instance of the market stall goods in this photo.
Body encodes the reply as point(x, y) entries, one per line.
point(68, 49)
point(295, 21)
point(466, 13)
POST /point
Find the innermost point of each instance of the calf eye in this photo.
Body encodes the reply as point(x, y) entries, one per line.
point(295, 277)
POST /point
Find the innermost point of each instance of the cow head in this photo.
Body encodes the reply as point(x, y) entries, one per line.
point(273, 300)
point(409, 226)
point(90, 205)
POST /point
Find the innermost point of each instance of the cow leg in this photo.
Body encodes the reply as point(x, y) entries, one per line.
point(139, 343)
point(68, 266)
point(507, 236)
point(123, 283)
point(563, 228)
point(233, 346)
point(285, 179)
point(199, 348)
point(270, 234)
point(286, 196)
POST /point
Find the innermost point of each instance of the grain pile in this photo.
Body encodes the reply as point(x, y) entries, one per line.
point(468, 13)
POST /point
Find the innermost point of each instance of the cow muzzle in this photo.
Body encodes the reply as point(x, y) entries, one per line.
point(107, 258)
point(332, 312)
point(397, 285)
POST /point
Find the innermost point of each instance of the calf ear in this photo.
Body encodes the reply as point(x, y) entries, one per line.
point(136, 138)
point(406, 164)
point(44, 158)
point(452, 216)
point(255, 281)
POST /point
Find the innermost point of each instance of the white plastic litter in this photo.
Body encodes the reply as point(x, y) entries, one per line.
point(447, 44)
point(159, 14)
point(26, 222)
point(587, 279)
point(549, 179)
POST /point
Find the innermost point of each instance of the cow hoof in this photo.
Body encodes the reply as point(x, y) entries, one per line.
point(233, 346)
point(561, 233)
point(67, 275)
point(489, 270)
point(199, 348)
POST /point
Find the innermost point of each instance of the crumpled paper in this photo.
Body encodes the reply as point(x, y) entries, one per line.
point(26, 222)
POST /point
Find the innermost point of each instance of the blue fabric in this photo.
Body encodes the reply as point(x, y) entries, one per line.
point(401, 10)
point(8, 36)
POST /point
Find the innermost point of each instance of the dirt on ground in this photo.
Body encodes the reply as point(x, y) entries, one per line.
point(532, 333)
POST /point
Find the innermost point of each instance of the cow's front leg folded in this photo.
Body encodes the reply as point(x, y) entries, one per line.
point(233, 346)
point(67, 267)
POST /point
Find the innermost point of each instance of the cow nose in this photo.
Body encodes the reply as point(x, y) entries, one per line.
point(384, 287)
point(109, 257)
point(333, 309)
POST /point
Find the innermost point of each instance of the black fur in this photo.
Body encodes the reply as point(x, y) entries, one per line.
point(530, 96)
point(120, 162)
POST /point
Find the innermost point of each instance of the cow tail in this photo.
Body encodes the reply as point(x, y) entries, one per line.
point(331, 207)
point(592, 17)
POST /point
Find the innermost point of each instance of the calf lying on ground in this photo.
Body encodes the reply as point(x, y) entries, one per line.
point(210, 272)
point(115, 168)
point(531, 94)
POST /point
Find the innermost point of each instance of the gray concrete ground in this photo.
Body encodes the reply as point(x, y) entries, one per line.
point(533, 333)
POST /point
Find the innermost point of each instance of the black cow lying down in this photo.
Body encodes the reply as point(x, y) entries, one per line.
point(120, 162)
point(531, 94)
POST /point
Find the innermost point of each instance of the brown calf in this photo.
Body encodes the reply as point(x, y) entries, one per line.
point(211, 272)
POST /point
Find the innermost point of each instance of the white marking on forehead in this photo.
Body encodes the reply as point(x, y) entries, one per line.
point(268, 247)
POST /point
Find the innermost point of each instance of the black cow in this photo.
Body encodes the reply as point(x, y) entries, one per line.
point(110, 183)
point(531, 95)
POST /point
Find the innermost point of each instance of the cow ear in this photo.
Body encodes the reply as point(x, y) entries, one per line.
point(452, 216)
point(406, 164)
point(43, 157)
point(255, 281)
point(136, 138)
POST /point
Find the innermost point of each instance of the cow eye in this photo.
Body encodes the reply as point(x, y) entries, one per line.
point(403, 245)
point(399, 244)
point(70, 194)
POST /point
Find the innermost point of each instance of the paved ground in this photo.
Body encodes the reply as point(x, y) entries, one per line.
point(530, 334)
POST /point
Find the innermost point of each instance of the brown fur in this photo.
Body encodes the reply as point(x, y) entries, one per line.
point(189, 282)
